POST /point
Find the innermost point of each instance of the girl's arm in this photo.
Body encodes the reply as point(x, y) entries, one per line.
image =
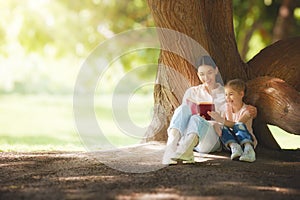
point(244, 118)
point(218, 118)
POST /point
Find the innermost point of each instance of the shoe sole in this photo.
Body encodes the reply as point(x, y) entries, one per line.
point(236, 158)
point(183, 161)
point(245, 160)
point(170, 163)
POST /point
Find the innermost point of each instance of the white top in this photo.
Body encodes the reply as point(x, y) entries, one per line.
point(200, 94)
point(235, 117)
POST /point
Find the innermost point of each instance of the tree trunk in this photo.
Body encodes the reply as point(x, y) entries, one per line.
point(210, 23)
point(285, 21)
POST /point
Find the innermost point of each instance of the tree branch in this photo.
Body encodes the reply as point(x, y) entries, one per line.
point(277, 102)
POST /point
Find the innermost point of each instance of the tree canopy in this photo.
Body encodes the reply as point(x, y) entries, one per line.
point(41, 38)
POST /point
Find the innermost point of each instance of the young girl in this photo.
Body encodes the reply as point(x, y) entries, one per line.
point(237, 130)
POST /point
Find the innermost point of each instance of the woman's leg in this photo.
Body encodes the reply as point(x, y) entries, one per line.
point(208, 138)
point(176, 130)
point(198, 130)
point(180, 119)
point(185, 149)
point(173, 139)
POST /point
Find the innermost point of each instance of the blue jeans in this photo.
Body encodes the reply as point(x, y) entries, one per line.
point(186, 124)
point(239, 134)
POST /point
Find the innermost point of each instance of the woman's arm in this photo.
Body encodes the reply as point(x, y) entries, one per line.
point(186, 95)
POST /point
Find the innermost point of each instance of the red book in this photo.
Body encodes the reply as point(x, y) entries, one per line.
point(201, 108)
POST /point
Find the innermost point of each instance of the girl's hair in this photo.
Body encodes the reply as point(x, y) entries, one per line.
point(237, 84)
point(205, 60)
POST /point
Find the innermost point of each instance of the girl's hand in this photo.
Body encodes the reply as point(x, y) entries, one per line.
point(216, 116)
point(229, 114)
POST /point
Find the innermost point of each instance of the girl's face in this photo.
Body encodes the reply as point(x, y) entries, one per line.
point(207, 75)
point(233, 97)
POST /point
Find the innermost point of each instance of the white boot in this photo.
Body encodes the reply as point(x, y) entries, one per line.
point(185, 149)
point(173, 138)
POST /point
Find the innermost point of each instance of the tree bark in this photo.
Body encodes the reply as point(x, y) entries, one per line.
point(210, 23)
point(277, 102)
point(280, 60)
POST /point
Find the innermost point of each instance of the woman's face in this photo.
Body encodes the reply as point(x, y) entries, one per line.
point(207, 75)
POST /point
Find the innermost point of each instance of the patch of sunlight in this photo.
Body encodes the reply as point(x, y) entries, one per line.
point(284, 139)
point(275, 189)
point(268, 2)
point(297, 13)
point(255, 45)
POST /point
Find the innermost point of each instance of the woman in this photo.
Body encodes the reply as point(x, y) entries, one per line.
point(192, 130)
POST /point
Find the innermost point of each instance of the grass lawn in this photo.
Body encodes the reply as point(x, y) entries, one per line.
point(37, 123)
point(46, 123)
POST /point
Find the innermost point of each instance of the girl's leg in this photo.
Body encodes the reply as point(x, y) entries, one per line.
point(227, 137)
point(245, 139)
point(231, 143)
point(242, 133)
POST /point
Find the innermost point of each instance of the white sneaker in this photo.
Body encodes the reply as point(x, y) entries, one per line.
point(184, 151)
point(236, 151)
point(169, 162)
point(169, 153)
point(248, 155)
point(171, 147)
point(183, 158)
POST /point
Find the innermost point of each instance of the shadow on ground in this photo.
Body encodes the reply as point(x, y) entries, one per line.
point(82, 175)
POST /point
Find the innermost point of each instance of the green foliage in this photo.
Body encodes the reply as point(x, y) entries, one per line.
point(254, 22)
point(253, 18)
point(44, 42)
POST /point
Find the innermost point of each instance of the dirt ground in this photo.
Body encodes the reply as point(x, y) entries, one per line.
point(133, 174)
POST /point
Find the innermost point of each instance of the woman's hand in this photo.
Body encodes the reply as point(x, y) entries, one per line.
point(252, 111)
point(248, 114)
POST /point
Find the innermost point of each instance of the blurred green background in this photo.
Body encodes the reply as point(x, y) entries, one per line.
point(45, 42)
